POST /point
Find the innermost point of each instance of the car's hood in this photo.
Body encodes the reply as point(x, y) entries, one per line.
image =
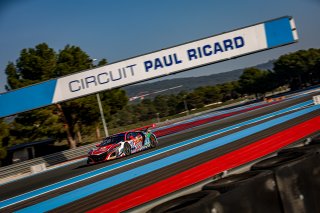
point(102, 149)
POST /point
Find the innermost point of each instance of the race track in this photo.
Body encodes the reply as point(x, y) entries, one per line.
point(99, 184)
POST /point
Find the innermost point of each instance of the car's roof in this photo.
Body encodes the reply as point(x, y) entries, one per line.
point(123, 133)
point(140, 129)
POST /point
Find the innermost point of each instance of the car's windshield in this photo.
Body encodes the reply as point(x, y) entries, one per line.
point(112, 140)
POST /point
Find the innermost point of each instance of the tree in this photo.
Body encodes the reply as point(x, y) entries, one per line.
point(72, 59)
point(211, 94)
point(124, 117)
point(314, 66)
point(34, 65)
point(13, 78)
point(228, 90)
point(146, 110)
point(85, 110)
point(42, 63)
point(194, 100)
point(160, 102)
point(37, 124)
point(4, 138)
point(298, 68)
point(316, 69)
point(181, 100)
point(172, 104)
point(254, 81)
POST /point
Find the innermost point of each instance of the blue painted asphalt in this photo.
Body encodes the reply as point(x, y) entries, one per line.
point(24, 99)
point(224, 111)
point(150, 167)
point(82, 177)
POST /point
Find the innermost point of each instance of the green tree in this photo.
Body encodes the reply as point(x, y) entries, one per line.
point(315, 66)
point(125, 117)
point(298, 69)
point(212, 94)
point(254, 81)
point(316, 70)
point(194, 100)
point(4, 139)
point(145, 110)
point(13, 77)
point(172, 104)
point(34, 65)
point(160, 103)
point(37, 124)
point(228, 90)
point(42, 63)
point(181, 102)
point(72, 59)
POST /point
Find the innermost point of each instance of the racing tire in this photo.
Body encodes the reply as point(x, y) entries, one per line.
point(297, 178)
point(153, 141)
point(279, 160)
point(201, 201)
point(233, 181)
point(127, 149)
point(315, 140)
point(311, 148)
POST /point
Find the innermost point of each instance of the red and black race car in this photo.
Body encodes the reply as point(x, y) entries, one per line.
point(122, 144)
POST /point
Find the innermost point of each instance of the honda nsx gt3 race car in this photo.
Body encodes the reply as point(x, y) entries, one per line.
point(122, 144)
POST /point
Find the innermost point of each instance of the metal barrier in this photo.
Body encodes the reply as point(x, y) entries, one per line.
point(48, 160)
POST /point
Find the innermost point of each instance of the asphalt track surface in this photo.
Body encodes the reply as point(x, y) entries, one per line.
point(32, 183)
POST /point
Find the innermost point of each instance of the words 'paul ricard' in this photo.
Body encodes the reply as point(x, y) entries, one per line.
point(157, 63)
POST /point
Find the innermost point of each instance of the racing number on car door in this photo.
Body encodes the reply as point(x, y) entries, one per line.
point(139, 140)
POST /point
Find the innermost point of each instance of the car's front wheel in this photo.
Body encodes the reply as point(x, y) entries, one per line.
point(127, 149)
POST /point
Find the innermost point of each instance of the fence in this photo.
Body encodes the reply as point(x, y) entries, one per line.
point(48, 160)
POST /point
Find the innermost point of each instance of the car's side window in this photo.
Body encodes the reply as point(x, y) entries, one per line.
point(119, 139)
point(134, 134)
point(128, 136)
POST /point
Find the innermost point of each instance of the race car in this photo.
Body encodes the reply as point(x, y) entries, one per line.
point(122, 144)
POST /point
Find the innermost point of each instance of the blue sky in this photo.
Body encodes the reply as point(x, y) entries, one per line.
point(121, 29)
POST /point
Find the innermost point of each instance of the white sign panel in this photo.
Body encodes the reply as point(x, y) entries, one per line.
point(316, 100)
point(259, 37)
point(164, 62)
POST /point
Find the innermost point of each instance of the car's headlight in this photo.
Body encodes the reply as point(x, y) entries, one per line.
point(112, 150)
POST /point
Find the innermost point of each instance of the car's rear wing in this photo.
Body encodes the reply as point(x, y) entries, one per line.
point(144, 128)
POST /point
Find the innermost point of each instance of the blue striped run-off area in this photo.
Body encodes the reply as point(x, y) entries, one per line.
point(64, 183)
point(96, 187)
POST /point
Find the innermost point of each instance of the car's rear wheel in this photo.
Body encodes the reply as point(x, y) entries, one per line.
point(153, 141)
point(127, 149)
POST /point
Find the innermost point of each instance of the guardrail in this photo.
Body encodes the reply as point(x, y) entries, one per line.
point(175, 120)
point(48, 160)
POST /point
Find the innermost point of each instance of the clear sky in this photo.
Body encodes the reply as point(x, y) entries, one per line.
point(120, 29)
